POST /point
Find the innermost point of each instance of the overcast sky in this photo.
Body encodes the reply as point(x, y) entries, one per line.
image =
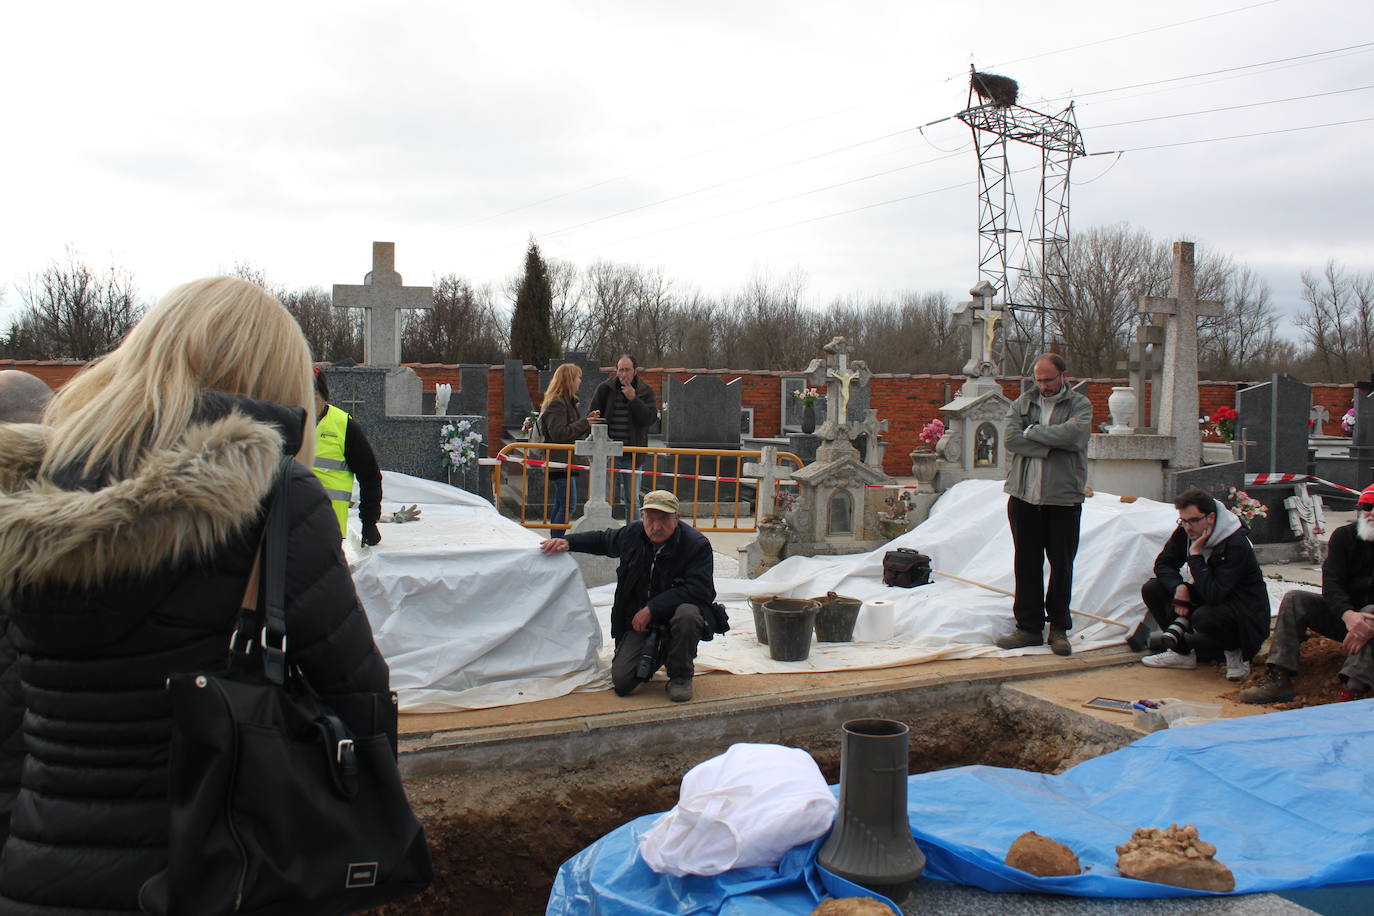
point(715, 140)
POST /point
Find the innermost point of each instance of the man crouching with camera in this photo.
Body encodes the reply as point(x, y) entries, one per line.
point(664, 593)
point(1223, 604)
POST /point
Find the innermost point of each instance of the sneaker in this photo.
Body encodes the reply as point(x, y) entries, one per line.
point(1020, 639)
point(1276, 687)
point(1170, 659)
point(680, 689)
point(1345, 695)
point(1237, 668)
point(1059, 641)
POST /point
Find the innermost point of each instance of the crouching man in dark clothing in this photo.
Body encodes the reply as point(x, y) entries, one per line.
point(664, 588)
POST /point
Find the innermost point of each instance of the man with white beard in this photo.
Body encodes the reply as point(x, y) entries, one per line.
point(1344, 611)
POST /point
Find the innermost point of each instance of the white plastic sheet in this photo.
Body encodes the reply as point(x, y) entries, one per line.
point(467, 611)
point(966, 536)
point(741, 809)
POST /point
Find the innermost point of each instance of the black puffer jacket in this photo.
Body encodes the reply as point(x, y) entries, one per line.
point(681, 573)
point(111, 587)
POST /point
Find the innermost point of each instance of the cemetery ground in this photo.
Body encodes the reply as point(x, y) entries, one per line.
point(508, 794)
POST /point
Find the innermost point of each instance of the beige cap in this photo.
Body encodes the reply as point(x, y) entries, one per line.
point(661, 500)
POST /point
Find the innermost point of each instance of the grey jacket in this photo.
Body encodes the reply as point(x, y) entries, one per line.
point(1062, 446)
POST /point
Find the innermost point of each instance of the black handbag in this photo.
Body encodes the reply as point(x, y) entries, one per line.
point(282, 801)
point(905, 568)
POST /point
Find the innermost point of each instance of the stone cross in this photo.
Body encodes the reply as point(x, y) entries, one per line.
point(1178, 398)
point(600, 449)
point(837, 374)
point(382, 297)
point(769, 471)
point(872, 426)
point(1144, 359)
point(984, 318)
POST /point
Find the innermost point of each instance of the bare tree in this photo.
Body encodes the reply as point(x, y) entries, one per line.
point(333, 334)
point(463, 327)
point(1240, 344)
point(73, 312)
point(1338, 322)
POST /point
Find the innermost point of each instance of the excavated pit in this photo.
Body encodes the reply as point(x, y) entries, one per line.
point(502, 817)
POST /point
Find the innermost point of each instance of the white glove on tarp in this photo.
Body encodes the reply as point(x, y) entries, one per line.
point(746, 807)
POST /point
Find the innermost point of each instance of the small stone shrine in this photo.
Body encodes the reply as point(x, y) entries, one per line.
point(972, 447)
point(836, 511)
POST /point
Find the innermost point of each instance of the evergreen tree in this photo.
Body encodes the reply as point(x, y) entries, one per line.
point(531, 329)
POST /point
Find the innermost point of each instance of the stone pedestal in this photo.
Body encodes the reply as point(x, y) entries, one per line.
point(1129, 465)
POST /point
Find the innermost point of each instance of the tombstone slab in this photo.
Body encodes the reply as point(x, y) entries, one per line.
point(1273, 416)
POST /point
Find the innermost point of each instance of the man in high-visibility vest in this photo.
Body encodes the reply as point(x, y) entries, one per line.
point(341, 452)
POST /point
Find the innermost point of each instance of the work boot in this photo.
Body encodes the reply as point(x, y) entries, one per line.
point(1170, 659)
point(1020, 639)
point(1237, 668)
point(1277, 687)
point(1059, 641)
point(680, 689)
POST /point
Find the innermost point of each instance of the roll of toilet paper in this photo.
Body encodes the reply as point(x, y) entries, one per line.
point(876, 622)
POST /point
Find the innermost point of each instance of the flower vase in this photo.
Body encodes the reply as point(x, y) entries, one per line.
point(923, 468)
point(808, 419)
point(772, 539)
point(1122, 405)
point(891, 528)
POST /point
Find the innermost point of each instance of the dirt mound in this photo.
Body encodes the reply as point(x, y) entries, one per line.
point(1042, 856)
point(1319, 660)
point(1174, 855)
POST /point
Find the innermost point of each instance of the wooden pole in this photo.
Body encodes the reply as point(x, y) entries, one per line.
point(1003, 591)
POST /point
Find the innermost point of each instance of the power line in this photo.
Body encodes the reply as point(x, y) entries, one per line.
point(1186, 114)
point(1262, 133)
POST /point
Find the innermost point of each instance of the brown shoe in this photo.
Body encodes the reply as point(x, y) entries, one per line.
point(1277, 687)
point(1059, 641)
point(680, 689)
point(1020, 639)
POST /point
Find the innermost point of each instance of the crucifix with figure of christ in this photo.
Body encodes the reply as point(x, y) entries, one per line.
point(837, 373)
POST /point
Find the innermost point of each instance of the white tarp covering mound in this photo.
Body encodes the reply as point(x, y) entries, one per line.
point(466, 610)
point(966, 536)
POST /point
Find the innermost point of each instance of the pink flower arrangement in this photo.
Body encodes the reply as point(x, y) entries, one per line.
point(932, 431)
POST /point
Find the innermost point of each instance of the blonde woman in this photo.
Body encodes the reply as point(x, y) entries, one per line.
point(128, 527)
point(562, 422)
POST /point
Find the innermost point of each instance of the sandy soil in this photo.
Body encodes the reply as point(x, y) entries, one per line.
point(1319, 661)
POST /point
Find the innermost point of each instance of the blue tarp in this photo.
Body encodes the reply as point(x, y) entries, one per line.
point(1287, 798)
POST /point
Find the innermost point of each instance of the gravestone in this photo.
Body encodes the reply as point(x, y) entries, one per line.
point(516, 394)
point(705, 413)
point(843, 380)
point(382, 297)
point(1273, 416)
point(592, 375)
point(469, 400)
point(1144, 360)
point(1178, 396)
point(405, 443)
point(792, 408)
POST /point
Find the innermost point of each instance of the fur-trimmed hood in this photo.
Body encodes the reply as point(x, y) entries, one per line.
point(180, 505)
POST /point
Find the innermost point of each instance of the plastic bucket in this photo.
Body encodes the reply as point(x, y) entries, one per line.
point(835, 618)
point(760, 621)
point(790, 623)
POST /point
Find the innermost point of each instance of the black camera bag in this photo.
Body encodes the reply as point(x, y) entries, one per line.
point(906, 568)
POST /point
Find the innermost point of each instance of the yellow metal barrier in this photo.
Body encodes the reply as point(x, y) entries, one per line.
point(678, 470)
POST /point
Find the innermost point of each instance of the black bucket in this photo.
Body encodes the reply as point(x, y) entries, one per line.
point(836, 618)
point(790, 623)
point(760, 621)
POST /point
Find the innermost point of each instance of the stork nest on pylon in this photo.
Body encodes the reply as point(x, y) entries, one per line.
point(999, 90)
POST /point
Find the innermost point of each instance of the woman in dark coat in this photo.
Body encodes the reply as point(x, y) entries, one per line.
point(561, 421)
point(128, 528)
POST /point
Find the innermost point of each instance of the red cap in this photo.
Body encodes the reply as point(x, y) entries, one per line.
point(1367, 495)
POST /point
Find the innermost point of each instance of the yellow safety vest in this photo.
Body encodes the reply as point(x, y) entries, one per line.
point(329, 465)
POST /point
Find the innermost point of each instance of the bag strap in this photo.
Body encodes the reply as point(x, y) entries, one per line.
point(267, 627)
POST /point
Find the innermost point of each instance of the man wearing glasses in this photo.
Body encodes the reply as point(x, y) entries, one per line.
point(1221, 604)
point(1344, 611)
point(1047, 436)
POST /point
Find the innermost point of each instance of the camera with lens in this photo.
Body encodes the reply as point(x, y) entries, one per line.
point(648, 657)
point(1174, 635)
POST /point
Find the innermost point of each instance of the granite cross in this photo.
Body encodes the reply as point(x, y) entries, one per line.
point(382, 297)
point(599, 448)
point(769, 471)
point(1178, 397)
point(1144, 359)
point(984, 319)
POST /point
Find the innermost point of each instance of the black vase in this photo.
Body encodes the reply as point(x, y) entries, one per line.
point(808, 419)
point(871, 843)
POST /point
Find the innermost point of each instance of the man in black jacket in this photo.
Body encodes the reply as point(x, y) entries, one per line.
point(1344, 611)
point(628, 406)
point(663, 588)
point(1224, 606)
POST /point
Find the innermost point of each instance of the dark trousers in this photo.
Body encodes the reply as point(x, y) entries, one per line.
point(1040, 533)
point(1214, 627)
point(1299, 611)
point(677, 648)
